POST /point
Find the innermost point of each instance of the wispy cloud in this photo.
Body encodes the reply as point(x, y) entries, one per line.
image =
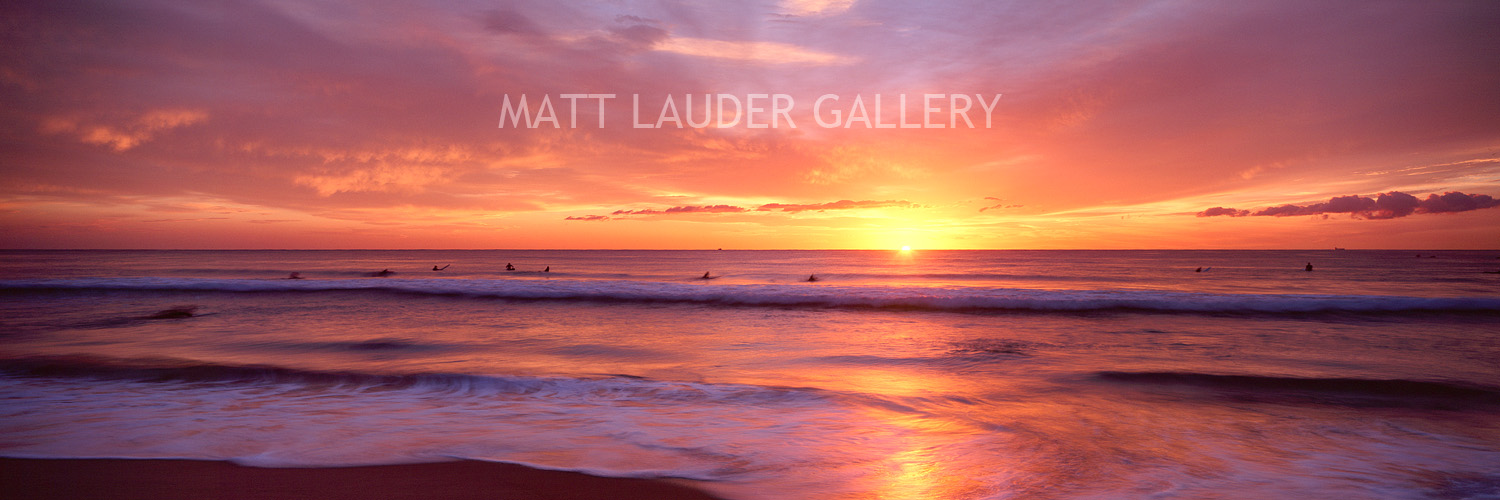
point(816, 7)
point(704, 209)
point(999, 204)
point(836, 205)
point(752, 51)
point(123, 137)
point(768, 207)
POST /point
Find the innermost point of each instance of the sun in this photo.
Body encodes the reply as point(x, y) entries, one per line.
point(905, 248)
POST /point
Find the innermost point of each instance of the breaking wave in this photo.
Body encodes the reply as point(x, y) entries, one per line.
point(970, 299)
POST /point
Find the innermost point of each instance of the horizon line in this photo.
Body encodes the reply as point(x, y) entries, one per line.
point(1339, 249)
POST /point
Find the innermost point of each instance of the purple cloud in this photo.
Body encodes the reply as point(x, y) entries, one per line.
point(836, 205)
point(1217, 211)
point(709, 209)
point(1389, 205)
point(1454, 201)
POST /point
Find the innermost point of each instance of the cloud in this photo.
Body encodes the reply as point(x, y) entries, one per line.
point(1389, 205)
point(200, 219)
point(380, 178)
point(124, 137)
point(636, 19)
point(509, 22)
point(816, 7)
point(1385, 206)
point(642, 35)
point(1455, 201)
point(587, 217)
point(709, 209)
point(999, 203)
point(771, 207)
point(837, 205)
point(757, 51)
point(1217, 211)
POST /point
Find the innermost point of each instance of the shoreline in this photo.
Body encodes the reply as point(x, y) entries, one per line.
point(168, 479)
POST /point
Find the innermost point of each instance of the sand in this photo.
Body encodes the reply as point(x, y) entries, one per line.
point(190, 479)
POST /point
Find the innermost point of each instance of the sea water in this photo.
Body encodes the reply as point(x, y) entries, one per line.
point(923, 375)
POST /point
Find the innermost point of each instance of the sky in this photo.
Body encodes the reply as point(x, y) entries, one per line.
point(383, 124)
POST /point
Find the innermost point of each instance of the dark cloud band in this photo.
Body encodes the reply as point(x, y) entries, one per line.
point(1389, 205)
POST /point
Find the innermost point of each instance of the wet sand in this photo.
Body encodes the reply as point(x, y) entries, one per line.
point(193, 479)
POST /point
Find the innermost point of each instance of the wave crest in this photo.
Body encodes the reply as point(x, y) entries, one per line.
point(1349, 391)
point(610, 388)
point(973, 299)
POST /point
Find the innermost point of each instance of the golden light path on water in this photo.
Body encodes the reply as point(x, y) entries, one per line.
point(921, 464)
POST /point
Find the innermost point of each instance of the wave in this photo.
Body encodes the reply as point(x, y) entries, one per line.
point(804, 294)
point(1350, 391)
point(272, 416)
point(604, 387)
point(985, 277)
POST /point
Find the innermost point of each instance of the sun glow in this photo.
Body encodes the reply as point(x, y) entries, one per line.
point(905, 248)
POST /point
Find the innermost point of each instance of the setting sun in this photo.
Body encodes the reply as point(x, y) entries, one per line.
point(905, 248)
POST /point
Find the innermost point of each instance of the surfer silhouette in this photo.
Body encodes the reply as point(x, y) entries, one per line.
point(1309, 267)
point(295, 276)
point(812, 277)
point(436, 268)
point(509, 267)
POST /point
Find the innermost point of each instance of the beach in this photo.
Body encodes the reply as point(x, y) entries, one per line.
point(187, 479)
point(915, 375)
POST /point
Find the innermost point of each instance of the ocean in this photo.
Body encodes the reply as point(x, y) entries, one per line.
point(958, 375)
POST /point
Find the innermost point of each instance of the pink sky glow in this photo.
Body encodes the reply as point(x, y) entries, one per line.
point(1145, 124)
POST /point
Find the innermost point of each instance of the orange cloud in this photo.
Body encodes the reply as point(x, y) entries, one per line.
point(126, 136)
point(751, 51)
point(837, 205)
